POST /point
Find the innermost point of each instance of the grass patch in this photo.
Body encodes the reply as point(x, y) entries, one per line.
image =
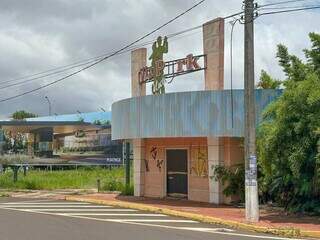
point(111, 180)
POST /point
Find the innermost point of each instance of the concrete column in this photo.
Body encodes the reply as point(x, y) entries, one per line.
point(139, 167)
point(215, 158)
point(138, 61)
point(213, 48)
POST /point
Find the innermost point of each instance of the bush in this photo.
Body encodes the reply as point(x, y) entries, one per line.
point(127, 190)
point(113, 185)
point(232, 178)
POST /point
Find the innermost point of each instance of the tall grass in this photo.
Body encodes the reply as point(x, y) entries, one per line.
point(111, 180)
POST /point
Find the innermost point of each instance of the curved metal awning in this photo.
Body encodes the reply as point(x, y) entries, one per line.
point(186, 114)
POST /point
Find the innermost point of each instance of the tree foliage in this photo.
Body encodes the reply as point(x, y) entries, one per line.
point(21, 115)
point(267, 82)
point(288, 139)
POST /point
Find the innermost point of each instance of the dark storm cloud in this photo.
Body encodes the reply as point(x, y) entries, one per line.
point(43, 34)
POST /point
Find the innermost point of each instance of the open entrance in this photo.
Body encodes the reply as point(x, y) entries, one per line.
point(177, 172)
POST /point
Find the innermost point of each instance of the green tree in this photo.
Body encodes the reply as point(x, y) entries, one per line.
point(21, 115)
point(267, 82)
point(288, 139)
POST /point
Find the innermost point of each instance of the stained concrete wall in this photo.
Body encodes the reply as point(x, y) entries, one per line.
point(155, 178)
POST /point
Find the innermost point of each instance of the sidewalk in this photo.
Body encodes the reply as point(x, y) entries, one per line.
point(271, 221)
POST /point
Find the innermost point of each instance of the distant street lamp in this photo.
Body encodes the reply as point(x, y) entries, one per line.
point(46, 97)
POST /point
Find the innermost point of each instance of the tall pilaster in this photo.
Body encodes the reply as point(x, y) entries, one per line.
point(213, 48)
point(138, 61)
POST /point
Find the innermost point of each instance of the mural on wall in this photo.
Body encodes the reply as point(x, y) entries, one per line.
point(200, 162)
point(155, 157)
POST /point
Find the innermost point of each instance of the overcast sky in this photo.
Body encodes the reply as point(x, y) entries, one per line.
point(37, 35)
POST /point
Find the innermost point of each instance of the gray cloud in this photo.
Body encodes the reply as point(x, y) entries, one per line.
point(39, 35)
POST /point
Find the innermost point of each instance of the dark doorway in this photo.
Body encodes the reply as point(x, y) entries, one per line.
point(177, 172)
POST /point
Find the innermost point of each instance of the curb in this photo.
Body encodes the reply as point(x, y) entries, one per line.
point(287, 232)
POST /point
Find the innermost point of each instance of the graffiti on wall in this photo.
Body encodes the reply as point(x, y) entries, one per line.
point(146, 162)
point(200, 163)
point(155, 157)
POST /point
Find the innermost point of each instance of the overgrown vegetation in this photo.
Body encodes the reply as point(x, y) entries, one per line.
point(233, 180)
point(84, 178)
point(288, 138)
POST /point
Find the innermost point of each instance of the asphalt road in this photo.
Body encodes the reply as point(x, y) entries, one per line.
point(36, 219)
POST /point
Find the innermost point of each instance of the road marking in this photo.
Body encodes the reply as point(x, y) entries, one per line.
point(116, 214)
point(208, 229)
point(43, 203)
point(71, 210)
point(154, 220)
point(57, 206)
point(154, 225)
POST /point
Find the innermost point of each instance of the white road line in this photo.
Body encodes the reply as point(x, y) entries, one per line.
point(159, 226)
point(36, 201)
point(116, 214)
point(71, 210)
point(208, 229)
point(58, 206)
point(44, 203)
point(188, 229)
point(154, 220)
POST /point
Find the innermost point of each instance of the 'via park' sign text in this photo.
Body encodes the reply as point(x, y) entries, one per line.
point(160, 70)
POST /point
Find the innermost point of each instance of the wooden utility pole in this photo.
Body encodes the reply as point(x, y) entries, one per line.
point(251, 184)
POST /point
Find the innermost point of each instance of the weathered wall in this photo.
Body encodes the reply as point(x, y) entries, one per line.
point(155, 176)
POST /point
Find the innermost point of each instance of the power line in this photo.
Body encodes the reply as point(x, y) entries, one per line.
point(283, 8)
point(72, 66)
point(52, 72)
point(62, 69)
point(106, 57)
point(291, 10)
point(283, 2)
point(83, 62)
point(65, 69)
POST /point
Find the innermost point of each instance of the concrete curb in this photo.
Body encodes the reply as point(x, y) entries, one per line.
point(287, 232)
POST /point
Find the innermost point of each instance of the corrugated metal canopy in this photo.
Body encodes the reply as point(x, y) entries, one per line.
point(186, 114)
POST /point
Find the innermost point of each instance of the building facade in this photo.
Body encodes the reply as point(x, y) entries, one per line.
point(179, 138)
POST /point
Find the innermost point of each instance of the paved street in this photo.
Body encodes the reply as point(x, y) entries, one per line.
point(39, 219)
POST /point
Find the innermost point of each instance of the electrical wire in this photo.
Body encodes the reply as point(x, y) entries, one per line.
point(283, 8)
point(97, 58)
point(174, 35)
point(106, 57)
point(280, 3)
point(84, 62)
point(80, 63)
point(290, 10)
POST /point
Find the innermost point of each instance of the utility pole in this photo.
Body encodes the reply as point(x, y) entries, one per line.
point(46, 97)
point(251, 184)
